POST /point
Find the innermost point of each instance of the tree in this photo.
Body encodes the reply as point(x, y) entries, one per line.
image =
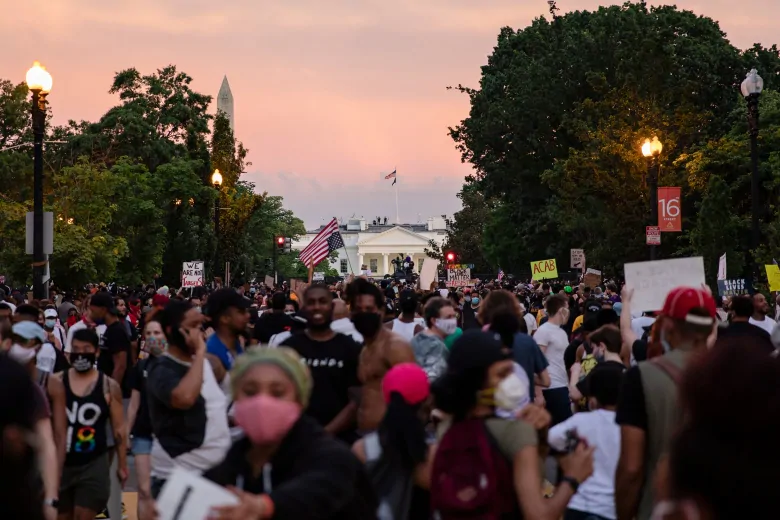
point(555, 127)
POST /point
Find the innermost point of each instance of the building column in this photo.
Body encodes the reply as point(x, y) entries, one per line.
point(385, 264)
point(360, 262)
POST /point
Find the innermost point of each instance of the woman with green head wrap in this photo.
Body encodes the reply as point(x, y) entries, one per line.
point(286, 466)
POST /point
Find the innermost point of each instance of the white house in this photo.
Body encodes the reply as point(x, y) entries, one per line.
point(375, 245)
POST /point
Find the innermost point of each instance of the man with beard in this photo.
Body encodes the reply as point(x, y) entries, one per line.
point(333, 361)
point(383, 350)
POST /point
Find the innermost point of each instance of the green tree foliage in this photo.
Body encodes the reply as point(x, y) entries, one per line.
point(556, 125)
point(131, 193)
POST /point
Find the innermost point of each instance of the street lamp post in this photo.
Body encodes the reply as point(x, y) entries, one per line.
point(216, 181)
point(751, 89)
point(39, 81)
point(651, 149)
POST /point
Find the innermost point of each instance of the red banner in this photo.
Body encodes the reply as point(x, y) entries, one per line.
point(669, 210)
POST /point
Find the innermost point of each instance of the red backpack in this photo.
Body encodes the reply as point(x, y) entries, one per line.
point(471, 478)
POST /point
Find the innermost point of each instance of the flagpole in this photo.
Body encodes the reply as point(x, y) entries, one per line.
point(397, 214)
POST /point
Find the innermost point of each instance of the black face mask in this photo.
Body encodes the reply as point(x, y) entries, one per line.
point(83, 361)
point(367, 323)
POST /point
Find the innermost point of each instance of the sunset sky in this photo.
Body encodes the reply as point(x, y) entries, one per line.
point(328, 93)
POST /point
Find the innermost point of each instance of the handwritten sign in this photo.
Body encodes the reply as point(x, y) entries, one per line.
point(458, 277)
point(773, 276)
point(192, 274)
point(187, 496)
point(577, 258)
point(652, 281)
point(544, 269)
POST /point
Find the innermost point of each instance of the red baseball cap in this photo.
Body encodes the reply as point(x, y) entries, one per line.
point(681, 300)
point(409, 380)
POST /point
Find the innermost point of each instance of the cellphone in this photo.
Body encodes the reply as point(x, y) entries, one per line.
point(572, 440)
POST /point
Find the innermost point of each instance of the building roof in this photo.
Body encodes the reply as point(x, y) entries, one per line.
point(416, 228)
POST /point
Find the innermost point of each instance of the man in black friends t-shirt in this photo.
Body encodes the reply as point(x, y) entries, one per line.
point(333, 361)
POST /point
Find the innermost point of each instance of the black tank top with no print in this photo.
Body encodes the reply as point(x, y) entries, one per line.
point(86, 438)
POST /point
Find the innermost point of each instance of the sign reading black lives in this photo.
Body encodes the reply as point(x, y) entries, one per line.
point(734, 287)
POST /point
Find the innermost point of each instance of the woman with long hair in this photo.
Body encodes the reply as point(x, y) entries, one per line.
point(396, 454)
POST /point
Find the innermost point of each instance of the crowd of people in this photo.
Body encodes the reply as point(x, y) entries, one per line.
point(377, 399)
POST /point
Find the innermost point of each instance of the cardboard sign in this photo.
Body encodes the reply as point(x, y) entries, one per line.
point(592, 280)
point(652, 281)
point(669, 210)
point(577, 258)
point(773, 276)
point(192, 274)
point(544, 269)
point(189, 496)
point(458, 277)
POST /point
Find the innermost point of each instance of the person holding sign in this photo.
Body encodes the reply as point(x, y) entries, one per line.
point(286, 466)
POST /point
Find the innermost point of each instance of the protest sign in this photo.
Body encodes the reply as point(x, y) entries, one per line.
point(652, 281)
point(773, 276)
point(577, 258)
point(460, 277)
point(735, 287)
point(269, 281)
point(189, 496)
point(428, 272)
point(318, 277)
point(192, 274)
point(592, 280)
point(722, 267)
point(544, 269)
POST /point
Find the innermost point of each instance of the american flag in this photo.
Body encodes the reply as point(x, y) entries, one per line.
point(391, 175)
point(500, 274)
point(327, 240)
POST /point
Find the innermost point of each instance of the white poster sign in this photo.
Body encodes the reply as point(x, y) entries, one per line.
point(318, 277)
point(593, 271)
point(652, 281)
point(428, 273)
point(577, 258)
point(458, 277)
point(187, 496)
point(722, 267)
point(192, 274)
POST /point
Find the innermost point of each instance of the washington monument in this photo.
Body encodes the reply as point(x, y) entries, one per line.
point(225, 102)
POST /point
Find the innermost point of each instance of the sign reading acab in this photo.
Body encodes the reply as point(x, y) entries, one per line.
point(544, 269)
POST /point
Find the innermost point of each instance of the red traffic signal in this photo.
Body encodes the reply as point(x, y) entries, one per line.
point(280, 242)
point(450, 258)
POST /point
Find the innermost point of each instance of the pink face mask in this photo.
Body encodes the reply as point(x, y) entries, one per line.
point(266, 419)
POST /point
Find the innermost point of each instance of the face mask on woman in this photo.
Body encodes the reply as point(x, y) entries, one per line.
point(447, 325)
point(510, 392)
point(155, 346)
point(265, 419)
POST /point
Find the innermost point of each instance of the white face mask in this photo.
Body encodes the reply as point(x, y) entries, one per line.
point(447, 325)
point(20, 354)
point(510, 393)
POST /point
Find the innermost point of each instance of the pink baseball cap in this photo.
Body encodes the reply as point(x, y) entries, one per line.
point(409, 380)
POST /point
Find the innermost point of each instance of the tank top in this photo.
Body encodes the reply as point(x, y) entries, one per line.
point(86, 438)
point(406, 330)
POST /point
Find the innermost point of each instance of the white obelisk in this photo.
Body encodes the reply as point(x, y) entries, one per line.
point(225, 102)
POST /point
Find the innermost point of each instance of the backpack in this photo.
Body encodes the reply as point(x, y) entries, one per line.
point(471, 478)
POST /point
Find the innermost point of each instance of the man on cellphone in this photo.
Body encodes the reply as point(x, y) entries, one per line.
point(187, 408)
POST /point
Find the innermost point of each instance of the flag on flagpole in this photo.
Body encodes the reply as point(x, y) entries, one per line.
point(327, 240)
point(393, 176)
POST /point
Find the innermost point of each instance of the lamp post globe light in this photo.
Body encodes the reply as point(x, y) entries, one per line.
point(752, 86)
point(216, 181)
point(39, 81)
point(651, 150)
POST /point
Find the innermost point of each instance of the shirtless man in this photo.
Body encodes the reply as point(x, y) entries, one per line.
point(383, 349)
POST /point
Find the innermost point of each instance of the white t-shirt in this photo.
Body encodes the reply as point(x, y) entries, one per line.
point(81, 324)
point(597, 493)
point(638, 325)
point(46, 358)
point(555, 339)
point(530, 322)
point(768, 324)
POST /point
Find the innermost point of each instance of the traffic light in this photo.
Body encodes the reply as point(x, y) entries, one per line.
point(280, 241)
point(450, 256)
point(287, 244)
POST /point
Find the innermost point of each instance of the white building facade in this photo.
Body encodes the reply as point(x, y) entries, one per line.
point(373, 246)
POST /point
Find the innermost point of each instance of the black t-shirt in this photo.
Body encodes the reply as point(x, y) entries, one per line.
point(270, 324)
point(178, 431)
point(142, 427)
point(334, 370)
point(469, 317)
point(744, 329)
point(114, 341)
point(639, 350)
point(631, 409)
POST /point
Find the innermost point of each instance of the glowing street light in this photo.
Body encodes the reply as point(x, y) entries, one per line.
point(651, 149)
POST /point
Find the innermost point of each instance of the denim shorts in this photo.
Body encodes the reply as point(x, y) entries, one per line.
point(141, 445)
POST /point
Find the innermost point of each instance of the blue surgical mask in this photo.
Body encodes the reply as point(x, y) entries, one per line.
point(475, 300)
point(50, 323)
